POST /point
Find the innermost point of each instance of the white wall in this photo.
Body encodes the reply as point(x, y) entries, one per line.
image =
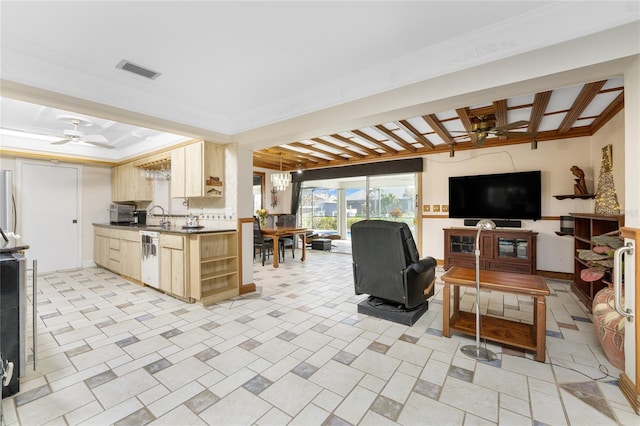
point(284, 197)
point(96, 197)
point(632, 208)
point(554, 159)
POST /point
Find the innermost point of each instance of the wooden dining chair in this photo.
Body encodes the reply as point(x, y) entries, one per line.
point(260, 242)
point(284, 242)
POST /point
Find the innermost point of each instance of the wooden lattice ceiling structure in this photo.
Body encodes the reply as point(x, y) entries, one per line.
point(552, 115)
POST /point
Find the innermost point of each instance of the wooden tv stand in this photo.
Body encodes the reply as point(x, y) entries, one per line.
point(499, 330)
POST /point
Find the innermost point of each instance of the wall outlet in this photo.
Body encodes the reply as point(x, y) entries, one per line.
point(426, 208)
point(445, 208)
point(436, 207)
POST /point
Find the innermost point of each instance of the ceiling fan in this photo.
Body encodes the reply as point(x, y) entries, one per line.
point(75, 135)
point(485, 126)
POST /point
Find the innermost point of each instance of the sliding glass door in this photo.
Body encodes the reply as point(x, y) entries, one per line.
point(393, 197)
point(332, 206)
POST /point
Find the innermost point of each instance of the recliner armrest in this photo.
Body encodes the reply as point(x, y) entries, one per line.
point(423, 265)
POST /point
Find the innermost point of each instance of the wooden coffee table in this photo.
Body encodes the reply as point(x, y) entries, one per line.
point(500, 330)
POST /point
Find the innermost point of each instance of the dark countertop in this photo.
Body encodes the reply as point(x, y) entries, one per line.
point(11, 246)
point(157, 228)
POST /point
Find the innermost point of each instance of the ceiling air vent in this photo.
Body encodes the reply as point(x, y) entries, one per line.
point(137, 69)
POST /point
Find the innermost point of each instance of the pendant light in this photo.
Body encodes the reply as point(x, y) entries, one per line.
point(280, 180)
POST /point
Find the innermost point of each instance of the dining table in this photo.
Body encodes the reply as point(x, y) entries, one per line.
point(281, 231)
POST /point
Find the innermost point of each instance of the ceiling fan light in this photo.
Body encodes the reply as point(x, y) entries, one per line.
point(481, 127)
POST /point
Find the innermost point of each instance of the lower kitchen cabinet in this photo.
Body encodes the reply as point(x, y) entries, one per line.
point(114, 252)
point(201, 267)
point(117, 250)
point(173, 274)
point(130, 259)
point(101, 247)
point(214, 266)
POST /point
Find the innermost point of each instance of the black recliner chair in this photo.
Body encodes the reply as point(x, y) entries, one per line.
point(386, 265)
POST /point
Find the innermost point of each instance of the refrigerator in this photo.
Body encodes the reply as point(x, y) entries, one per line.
point(7, 202)
point(13, 294)
point(12, 319)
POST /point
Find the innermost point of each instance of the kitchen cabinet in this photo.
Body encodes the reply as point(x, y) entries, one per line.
point(173, 272)
point(214, 266)
point(197, 170)
point(117, 250)
point(128, 184)
point(587, 226)
point(114, 251)
point(202, 267)
point(130, 254)
point(500, 249)
point(101, 247)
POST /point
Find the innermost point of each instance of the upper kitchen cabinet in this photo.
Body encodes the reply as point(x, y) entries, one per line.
point(128, 184)
point(197, 170)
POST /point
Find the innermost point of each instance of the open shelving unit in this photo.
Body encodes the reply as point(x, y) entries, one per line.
point(214, 263)
point(587, 226)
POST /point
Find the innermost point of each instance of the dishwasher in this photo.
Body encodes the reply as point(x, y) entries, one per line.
point(150, 258)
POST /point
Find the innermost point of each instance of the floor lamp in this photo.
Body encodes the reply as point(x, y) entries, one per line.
point(476, 352)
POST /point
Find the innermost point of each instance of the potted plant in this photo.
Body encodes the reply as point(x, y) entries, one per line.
point(262, 214)
point(608, 323)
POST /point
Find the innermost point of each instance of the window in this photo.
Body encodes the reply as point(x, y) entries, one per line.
point(258, 190)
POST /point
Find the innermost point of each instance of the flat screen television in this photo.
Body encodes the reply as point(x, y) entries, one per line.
point(496, 196)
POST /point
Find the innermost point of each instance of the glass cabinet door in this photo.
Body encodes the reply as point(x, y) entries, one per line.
point(462, 244)
point(513, 248)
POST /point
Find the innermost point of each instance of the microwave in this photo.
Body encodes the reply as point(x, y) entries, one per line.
point(121, 213)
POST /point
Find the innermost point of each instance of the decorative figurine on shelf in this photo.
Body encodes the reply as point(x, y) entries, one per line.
point(580, 188)
point(606, 198)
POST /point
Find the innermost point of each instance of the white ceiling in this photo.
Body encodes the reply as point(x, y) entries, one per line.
point(233, 67)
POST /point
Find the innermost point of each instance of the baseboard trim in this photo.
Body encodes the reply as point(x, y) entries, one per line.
point(247, 288)
point(557, 275)
point(630, 391)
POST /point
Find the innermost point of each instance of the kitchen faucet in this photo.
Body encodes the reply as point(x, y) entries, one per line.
point(165, 220)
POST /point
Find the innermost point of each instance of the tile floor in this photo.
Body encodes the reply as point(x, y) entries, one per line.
point(297, 352)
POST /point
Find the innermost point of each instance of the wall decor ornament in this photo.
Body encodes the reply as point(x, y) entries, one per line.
point(580, 187)
point(606, 198)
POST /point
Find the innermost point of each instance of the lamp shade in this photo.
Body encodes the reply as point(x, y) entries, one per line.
point(486, 224)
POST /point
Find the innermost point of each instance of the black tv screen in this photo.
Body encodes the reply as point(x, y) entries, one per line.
point(497, 196)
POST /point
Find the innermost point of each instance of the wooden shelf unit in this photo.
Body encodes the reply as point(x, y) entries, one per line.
point(587, 226)
point(575, 196)
point(214, 266)
point(500, 249)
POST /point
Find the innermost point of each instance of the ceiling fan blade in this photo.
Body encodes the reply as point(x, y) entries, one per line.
point(100, 144)
point(466, 135)
point(94, 138)
point(513, 125)
point(61, 142)
point(516, 134)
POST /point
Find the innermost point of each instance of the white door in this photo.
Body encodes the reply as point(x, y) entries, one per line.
point(49, 205)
